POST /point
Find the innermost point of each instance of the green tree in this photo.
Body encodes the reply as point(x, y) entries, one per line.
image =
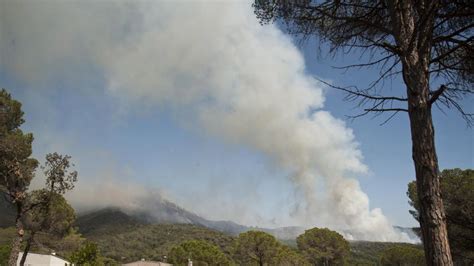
point(423, 41)
point(457, 191)
point(16, 166)
point(323, 247)
point(256, 248)
point(287, 256)
point(53, 216)
point(87, 255)
point(46, 210)
point(200, 252)
point(64, 245)
point(403, 256)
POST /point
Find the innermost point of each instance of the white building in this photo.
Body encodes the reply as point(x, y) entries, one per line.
point(33, 259)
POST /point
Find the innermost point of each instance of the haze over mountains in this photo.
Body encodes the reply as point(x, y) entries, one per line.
point(163, 211)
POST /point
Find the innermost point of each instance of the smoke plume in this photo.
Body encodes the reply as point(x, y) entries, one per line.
point(215, 66)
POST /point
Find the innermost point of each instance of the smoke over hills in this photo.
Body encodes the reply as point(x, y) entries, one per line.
point(217, 69)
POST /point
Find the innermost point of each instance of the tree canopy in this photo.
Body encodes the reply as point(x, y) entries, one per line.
point(46, 210)
point(16, 166)
point(55, 218)
point(377, 28)
point(255, 248)
point(87, 255)
point(322, 246)
point(199, 252)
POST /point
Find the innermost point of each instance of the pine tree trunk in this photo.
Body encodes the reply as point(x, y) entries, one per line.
point(432, 214)
point(16, 244)
point(27, 249)
point(15, 250)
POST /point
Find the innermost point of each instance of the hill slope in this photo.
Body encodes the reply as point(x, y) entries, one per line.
point(126, 238)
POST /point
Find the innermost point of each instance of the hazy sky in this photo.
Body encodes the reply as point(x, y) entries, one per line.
point(178, 101)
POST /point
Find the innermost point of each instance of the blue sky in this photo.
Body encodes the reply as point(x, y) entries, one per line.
point(150, 144)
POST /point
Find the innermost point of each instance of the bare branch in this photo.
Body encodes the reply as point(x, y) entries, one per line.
point(367, 64)
point(386, 110)
point(453, 34)
point(360, 93)
point(436, 94)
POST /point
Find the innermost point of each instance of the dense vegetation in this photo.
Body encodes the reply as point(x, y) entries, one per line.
point(322, 246)
point(152, 242)
point(403, 255)
point(370, 253)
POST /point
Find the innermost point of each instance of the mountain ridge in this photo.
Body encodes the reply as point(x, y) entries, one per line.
point(162, 211)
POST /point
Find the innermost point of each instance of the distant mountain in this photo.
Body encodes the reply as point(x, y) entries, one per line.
point(166, 212)
point(161, 212)
point(130, 236)
point(106, 220)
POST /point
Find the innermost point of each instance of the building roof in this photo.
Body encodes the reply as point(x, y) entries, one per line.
point(34, 259)
point(147, 263)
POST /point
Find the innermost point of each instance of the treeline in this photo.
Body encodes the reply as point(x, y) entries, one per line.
point(315, 247)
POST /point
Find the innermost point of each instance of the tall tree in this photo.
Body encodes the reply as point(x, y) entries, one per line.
point(48, 211)
point(256, 248)
point(16, 166)
point(324, 247)
point(457, 190)
point(426, 41)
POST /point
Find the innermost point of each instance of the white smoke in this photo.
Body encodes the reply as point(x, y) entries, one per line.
point(237, 80)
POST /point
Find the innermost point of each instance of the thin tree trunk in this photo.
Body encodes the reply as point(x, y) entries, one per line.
point(432, 214)
point(27, 249)
point(16, 244)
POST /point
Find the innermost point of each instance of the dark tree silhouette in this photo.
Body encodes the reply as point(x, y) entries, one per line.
point(427, 42)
